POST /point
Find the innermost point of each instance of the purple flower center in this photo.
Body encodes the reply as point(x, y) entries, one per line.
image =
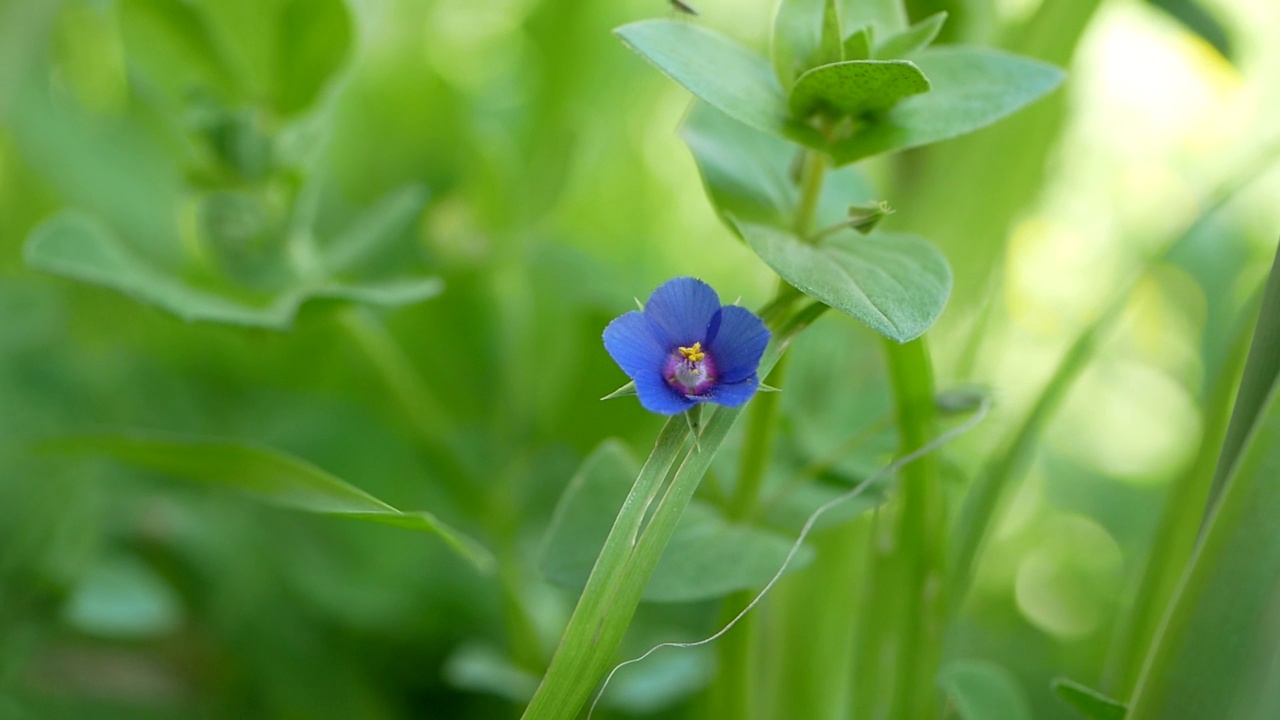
point(690, 370)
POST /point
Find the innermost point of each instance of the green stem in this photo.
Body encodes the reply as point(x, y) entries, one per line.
point(734, 695)
point(819, 610)
point(815, 170)
point(406, 384)
point(522, 635)
point(584, 649)
point(734, 692)
point(757, 448)
point(918, 535)
point(762, 425)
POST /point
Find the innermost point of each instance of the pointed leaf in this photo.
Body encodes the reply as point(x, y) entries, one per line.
point(1261, 376)
point(917, 37)
point(858, 45)
point(831, 49)
point(982, 690)
point(1200, 20)
point(971, 88)
point(1217, 653)
point(894, 283)
point(1089, 702)
point(855, 87)
point(313, 40)
point(716, 69)
point(797, 37)
point(271, 477)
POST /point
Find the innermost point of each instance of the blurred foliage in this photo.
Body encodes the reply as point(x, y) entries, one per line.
point(382, 237)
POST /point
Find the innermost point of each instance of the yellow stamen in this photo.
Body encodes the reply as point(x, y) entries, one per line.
point(692, 354)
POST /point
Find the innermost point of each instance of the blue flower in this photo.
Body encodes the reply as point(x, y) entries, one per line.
point(685, 348)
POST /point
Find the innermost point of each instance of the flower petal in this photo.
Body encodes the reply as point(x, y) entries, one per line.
point(657, 396)
point(683, 308)
point(734, 394)
point(739, 344)
point(633, 341)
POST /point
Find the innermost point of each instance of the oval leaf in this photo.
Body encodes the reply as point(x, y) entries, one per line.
point(982, 690)
point(894, 283)
point(271, 477)
point(718, 70)
point(971, 88)
point(855, 87)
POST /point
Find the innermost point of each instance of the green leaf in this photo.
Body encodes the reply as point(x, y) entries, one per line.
point(75, 246)
point(1218, 650)
point(271, 477)
point(170, 43)
point(858, 45)
point(797, 37)
point(1261, 373)
point(114, 170)
point(716, 69)
point(971, 88)
point(707, 556)
point(1089, 702)
point(748, 173)
point(479, 667)
point(1195, 17)
point(122, 598)
point(917, 37)
point(886, 16)
point(982, 690)
point(313, 40)
point(896, 284)
point(855, 87)
point(831, 49)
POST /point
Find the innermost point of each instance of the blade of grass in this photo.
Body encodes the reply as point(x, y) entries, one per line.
point(268, 476)
point(1217, 653)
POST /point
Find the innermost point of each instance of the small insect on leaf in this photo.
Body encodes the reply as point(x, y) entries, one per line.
point(681, 7)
